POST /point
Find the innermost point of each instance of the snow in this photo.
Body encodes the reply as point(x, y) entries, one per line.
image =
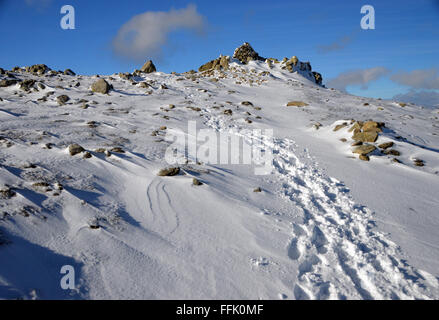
point(325, 226)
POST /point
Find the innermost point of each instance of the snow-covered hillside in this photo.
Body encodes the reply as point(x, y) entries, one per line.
point(325, 224)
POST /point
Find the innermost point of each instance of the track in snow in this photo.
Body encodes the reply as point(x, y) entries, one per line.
point(339, 251)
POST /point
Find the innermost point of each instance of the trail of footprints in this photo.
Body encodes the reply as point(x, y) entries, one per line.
point(340, 254)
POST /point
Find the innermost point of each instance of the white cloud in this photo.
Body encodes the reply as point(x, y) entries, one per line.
point(357, 77)
point(337, 45)
point(145, 35)
point(423, 98)
point(419, 79)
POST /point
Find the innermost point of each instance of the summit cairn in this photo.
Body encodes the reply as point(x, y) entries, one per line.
point(148, 67)
point(246, 53)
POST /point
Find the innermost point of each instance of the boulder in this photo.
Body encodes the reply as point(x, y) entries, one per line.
point(148, 67)
point(75, 148)
point(368, 136)
point(364, 149)
point(196, 182)
point(101, 86)
point(169, 172)
point(386, 145)
point(62, 99)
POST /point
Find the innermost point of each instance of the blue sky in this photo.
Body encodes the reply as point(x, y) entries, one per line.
point(326, 33)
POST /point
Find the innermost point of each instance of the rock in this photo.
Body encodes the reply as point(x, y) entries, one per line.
point(69, 72)
point(258, 189)
point(196, 182)
point(297, 104)
point(125, 75)
point(364, 157)
point(228, 112)
point(396, 160)
point(318, 77)
point(392, 152)
point(62, 99)
point(100, 150)
point(386, 145)
point(26, 85)
point(144, 85)
point(357, 125)
point(340, 126)
point(87, 155)
point(343, 140)
point(246, 53)
point(368, 136)
point(101, 86)
point(247, 103)
point(293, 61)
point(7, 82)
point(418, 162)
point(117, 150)
point(74, 149)
point(148, 67)
point(356, 143)
point(169, 172)
point(364, 149)
point(163, 128)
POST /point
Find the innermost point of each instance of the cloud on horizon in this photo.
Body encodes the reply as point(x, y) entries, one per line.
point(145, 35)
point(422, 97)
point(418, 79)
point(360, 77)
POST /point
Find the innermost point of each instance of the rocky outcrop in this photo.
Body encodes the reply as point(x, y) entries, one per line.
point(37, 69)
point(148, 67)
point(246, 53)
point(222, 63)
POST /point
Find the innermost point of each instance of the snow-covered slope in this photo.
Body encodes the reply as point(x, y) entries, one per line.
point(325, 226)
